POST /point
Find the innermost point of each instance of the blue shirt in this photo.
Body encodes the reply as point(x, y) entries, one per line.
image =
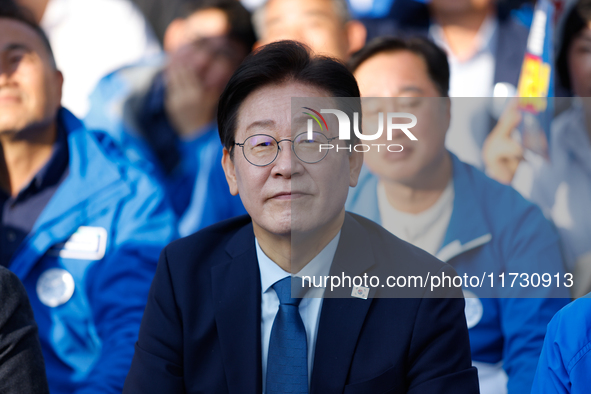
point(18, 214)
point(565, 363)
point(309, 308)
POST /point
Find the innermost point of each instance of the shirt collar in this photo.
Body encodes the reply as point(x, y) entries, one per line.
point(486, 37)
point(467, 184)
point(53, 170)
point(154, 102)
point(318, 266)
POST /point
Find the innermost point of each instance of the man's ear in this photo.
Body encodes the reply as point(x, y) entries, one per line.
point(355, 164)
point(230, 171)
point(446, 104)
point(258, 44)
point(356, 35)
point(174, 36)
point(59, 85)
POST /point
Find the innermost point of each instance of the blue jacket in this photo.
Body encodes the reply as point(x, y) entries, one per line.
point(89, 261)
point(494, 229)
point(196, 187)
point(565, 363)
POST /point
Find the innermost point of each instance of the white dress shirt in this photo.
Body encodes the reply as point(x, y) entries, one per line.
point(473, 77)
point(309, 307)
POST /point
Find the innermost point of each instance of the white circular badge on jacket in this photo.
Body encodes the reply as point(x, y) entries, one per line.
point(55, 287)
point(473, 309)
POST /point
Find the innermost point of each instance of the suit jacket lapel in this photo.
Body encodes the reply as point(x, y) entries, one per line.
point(237, 300)
point(342, 315)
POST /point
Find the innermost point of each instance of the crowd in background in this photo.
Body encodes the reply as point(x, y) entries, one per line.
point(125, 156)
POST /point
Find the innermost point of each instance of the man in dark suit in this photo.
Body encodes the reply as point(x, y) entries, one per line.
point(22, 370)
point(220, 316)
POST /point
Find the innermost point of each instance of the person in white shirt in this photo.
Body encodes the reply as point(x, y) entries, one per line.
point(485, 50)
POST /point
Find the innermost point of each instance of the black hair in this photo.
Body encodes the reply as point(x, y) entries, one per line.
point(10, 10)
point(434, 57)
point(576, 21)
point(239, 19)
point(276, 63)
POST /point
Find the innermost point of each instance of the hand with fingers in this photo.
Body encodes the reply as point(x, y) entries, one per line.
point(501, 153)
point(189, 104)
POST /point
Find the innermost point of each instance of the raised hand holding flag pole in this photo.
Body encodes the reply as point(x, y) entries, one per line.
point(536, 82)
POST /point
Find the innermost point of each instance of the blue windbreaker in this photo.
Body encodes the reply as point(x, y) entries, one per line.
point(88, 263)
point(565, 363)
point(115, 107)
point(494, 229)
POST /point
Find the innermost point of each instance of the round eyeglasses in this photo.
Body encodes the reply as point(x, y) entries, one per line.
point(261, 149)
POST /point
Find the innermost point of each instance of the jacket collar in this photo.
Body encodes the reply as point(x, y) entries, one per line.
point(90, 172)
point(243, 240)
point(467, 227)
point(139, 80)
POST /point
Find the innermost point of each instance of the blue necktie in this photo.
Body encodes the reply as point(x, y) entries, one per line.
point(287, 363)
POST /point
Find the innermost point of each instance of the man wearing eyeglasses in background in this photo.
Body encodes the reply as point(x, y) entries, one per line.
point(162, 112)
point(221, 317)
